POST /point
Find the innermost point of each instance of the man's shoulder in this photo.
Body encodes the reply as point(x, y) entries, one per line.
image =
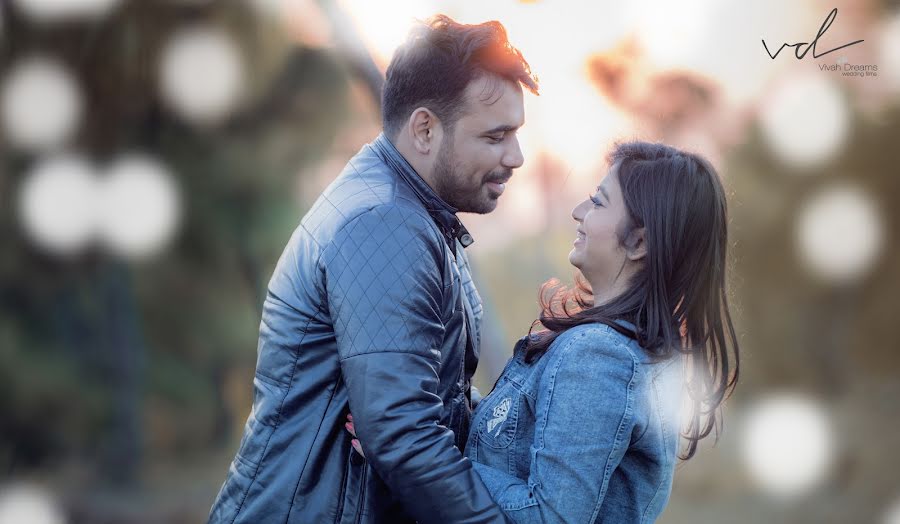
point(366, 191)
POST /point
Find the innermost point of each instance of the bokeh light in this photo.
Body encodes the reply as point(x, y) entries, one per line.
point(41, 103)
point(787, 444)
point(202, 74)
point(385, 29)
point(670, 32)
point(140, 207)
point(57, 203)
point(889, 59)
point(839, 233)
point(27, 504)
point(805, 121)
point(892, 515)
point(53, 10)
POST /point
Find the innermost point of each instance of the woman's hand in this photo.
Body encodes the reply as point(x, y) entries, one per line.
point(355, 442)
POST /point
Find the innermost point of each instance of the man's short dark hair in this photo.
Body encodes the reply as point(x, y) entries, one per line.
point(436, 63)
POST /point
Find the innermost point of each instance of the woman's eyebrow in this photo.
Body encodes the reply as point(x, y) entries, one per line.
point(603, 190)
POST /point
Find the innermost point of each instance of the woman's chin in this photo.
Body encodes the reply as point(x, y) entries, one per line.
point(575, 258)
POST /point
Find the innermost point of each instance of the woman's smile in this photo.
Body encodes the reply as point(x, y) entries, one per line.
point(579, 238)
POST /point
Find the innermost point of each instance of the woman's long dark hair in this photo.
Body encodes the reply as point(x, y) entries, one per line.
point(677, 300)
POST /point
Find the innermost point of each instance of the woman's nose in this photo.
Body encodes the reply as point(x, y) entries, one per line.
point(578, 211)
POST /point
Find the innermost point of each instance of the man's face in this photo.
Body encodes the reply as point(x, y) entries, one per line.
point(478, 155)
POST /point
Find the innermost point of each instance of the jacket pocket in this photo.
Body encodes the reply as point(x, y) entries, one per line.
point(242, 471)
point(353, 500)
point(254, 442)
point(498, 415)
point(264, 417)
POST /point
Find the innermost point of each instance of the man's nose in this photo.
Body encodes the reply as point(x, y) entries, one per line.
point(513, 158)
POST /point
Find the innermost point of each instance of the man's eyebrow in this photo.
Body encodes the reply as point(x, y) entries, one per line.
point(501, 129)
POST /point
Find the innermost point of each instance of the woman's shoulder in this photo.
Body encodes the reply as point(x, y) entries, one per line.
point(595, 344)
point(603, 338)
point(589, 359)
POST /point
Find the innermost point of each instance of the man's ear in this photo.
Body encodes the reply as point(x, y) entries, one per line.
point(424, 130)
point(636, 244)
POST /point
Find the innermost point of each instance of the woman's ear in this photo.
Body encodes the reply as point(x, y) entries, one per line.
point(636, 244)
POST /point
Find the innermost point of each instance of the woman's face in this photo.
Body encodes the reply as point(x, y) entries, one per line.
point(598, 252)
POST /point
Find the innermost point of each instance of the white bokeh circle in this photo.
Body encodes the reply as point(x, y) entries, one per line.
point(892, 515)
point(41, 104)
point(839, 233)
point(57, 202)
point(202, 74)
point(805, 121)
point(787, 444)
point(671, 32)
point(140, 208)
point(889, 51)
point(53, 10)
point(24, 503)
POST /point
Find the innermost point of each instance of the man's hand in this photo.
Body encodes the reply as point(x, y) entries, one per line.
point(352, 430)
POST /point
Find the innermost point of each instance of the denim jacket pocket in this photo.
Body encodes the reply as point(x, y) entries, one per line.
point(498, 416)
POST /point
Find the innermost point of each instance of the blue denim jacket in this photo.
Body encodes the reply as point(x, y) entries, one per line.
point(587, 433)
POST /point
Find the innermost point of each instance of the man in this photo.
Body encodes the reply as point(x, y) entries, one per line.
point(372, 308)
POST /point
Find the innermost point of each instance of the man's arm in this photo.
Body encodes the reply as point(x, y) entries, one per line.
point(385, 297)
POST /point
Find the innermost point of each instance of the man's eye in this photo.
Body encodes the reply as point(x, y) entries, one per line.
point(496, 139)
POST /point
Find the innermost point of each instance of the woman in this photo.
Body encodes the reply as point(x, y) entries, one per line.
point(583, 424)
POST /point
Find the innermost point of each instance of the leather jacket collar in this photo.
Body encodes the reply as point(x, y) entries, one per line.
point(443, 213)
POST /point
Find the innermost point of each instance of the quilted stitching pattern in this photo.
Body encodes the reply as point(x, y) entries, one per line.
point(383, 266)
point(367, 272)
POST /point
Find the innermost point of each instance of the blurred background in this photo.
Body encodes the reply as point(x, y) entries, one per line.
point(156, 155)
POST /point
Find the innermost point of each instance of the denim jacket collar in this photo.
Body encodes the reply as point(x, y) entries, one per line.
point(625, 324)
point(443, 213)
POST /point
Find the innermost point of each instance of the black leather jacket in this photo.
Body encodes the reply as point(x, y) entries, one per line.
point(371, 309)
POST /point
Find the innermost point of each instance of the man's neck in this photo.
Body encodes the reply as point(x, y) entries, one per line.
point(415, 160)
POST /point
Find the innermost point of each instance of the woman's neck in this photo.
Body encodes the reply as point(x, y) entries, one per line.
point(608, 293)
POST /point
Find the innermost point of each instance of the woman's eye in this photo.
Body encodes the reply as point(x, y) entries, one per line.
point(595, 201)
point(496, 139)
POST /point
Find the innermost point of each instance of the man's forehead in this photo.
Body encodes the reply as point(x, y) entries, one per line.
point(492, 101)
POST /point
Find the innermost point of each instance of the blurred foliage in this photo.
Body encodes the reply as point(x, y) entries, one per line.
point(800, 330)
point(107, 361)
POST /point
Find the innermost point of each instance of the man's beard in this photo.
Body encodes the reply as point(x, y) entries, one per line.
point(454, 189)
